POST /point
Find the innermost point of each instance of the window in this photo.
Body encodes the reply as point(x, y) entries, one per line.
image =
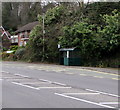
point(26, 34)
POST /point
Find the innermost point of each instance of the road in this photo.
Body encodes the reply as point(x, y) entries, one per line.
point(29, 85)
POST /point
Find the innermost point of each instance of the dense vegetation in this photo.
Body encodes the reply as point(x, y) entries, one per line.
point(94, 28)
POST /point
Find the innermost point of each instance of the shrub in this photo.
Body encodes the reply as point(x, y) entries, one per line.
point(8, 56)
point(5, 55)
point(19, 53)
point(14, 47)
point(4, 49)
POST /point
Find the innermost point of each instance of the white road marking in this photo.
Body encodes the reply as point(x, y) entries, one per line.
point(115, 79)
point(53, 87)
point(81, 93)
point(99, 72)
point(22, 75)
point(98, 76)
point(25, 85)
point(103, 93)
point(1, 79)
point(83, 74)
point(59, 83)
point(5, 72)
point(110, 103)
point(45, 80)
point(78, 99)
point(52, 82)
point(69, 73)
point(31, 66)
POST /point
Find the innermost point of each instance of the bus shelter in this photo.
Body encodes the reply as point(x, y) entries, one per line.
point(70, 56)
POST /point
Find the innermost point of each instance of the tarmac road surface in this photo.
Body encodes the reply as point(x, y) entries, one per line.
point(27, 85)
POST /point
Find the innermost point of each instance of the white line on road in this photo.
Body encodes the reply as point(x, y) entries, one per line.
point(52, 82)
point(45, 80)
point(98, 76)
point(69, 73)
point(109, 103)
point(5, 72)
point(103, 93)
point(84, 100)
point(53, 87)
point(83, 74)
point(99, 72)
point(25, 85)
point(21, 75)
point(115, 78)
point(59, 83)
point(31, 66)
point(81, 93)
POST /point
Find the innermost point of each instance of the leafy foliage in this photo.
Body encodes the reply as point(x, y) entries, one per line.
point(94, 41)
point(19, 53)
point(93, 28)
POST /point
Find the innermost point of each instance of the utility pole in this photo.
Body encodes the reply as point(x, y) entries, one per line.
point(43, 17)
point(43, 36)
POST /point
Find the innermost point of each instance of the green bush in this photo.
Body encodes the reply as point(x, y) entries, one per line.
point(4, 49)
point(14, 47)
point(19, 53)
point(8, 56)
point(5, 55)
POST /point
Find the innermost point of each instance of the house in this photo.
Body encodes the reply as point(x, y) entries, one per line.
point(4, 39)
point(24, 32)
point(14, 40)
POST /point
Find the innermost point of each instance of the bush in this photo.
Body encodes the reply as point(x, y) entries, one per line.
point(19, 53)
point(5, 55)
point(4, 49)
point(8, 56)
point(14, 47)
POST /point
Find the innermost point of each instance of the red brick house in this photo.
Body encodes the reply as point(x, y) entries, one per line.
point(5, 42)
point(24, 32)
point(14, 40)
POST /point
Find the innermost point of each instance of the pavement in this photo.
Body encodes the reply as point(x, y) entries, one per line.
point(30, 85)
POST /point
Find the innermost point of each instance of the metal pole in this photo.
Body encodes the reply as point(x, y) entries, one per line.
point(43, 37)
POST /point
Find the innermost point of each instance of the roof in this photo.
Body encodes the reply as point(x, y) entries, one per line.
point(8, 33)
point(2, 28)
point(68, 49)
point(4, 33)
point(27, 27)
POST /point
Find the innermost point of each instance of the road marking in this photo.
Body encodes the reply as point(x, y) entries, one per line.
point(31, 66)
point(45, 80)
point(115, 78)
point(25, 85)
point(110, 103)
point(59, 83)
point(83, 74)
point(39, 69)
point(69, 73)
point(5, 72)
point(1, 79)
point(78, 99)
point(107, 73)
point(53, 87)
point(21, 75)
point(81, 93)
point(102, 92)
point(98, 76)
point(100, 72)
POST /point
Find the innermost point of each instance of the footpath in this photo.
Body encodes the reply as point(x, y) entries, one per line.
point(107, 70)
